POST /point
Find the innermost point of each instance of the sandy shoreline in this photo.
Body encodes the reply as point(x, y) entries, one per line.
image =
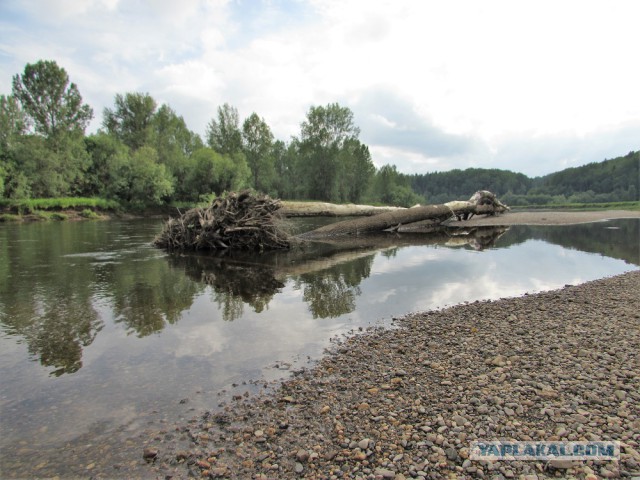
point(550, 217)
point(407, 402)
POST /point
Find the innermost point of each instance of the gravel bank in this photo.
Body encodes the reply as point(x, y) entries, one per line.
point(407, 402)
point(555, 217)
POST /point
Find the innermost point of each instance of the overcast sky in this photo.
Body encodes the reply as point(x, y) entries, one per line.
point(533, 86)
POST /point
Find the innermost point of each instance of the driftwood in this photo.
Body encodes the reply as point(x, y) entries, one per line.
point(239, 221)
point(246, 221)
point(421, 219)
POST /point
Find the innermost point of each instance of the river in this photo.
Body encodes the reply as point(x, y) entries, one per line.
point(103, 336)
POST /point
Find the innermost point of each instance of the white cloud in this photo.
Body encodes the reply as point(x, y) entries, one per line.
point(433, 85)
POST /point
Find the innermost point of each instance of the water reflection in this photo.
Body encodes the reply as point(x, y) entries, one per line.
point(328, 273)
point(614, 239)
point(123, 329)
point(49, 290)
point(234, 282)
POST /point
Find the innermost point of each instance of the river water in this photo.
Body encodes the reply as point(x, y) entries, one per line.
point(102, 336)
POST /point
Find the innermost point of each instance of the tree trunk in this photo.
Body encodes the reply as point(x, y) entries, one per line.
point(382, 221)
point(416, 219)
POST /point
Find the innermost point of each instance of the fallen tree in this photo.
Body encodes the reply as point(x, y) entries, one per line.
point(244, 221)
point(238, 221)
point(423, 219)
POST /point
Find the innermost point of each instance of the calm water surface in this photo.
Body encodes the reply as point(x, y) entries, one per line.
point(102, 335)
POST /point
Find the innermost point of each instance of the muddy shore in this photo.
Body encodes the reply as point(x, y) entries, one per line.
point(407, 402)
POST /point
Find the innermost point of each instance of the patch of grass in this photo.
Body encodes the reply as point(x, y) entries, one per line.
point(44, 215)
point(9, 217)
point(31, 205)
point(89, 214)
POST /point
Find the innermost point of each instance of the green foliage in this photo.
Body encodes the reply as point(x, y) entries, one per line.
point(3, 174)
point(223, 134)
point(31, 205)
point(212, 172)
point(457, 184)
point(141, 180)
point(393, 188)
point(147, 156)
point(44, 215)
point(130, 121)
point(175, 143)
point(609, 180)
point(89, 214)
point(330, 159)
point(53, 104)
point(13, 122)
point(257, 146)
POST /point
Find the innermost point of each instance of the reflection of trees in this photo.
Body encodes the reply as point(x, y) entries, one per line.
point(620, 242)
point(333, 292)
point(233, 283)
point(329, 272)
point(148, 295)
point(51, 309)
point(61, 333)
point(48, 298)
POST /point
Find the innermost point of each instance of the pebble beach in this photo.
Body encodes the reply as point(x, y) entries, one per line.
point(406, 402)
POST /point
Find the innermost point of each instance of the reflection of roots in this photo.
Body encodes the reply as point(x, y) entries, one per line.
point(478, 238)
point(252, 284)
point(244, 282)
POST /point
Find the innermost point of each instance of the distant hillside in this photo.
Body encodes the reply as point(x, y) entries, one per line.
point(442, 187)
point(619, 177)
point(612, 180)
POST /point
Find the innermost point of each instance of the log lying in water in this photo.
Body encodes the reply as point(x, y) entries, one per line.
point(244, 221)
point(416, 219)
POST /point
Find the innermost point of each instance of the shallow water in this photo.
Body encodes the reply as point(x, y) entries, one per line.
point(102, 335)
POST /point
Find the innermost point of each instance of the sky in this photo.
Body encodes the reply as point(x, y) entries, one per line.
point(532, 86)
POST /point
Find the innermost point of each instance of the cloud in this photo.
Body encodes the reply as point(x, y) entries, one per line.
point(433, 85)
point(386, 119)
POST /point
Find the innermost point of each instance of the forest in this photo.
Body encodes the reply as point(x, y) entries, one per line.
point(144, 155)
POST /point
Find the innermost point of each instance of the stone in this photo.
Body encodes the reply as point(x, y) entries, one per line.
point(384, 473)
point(149, 453)
point(364, 444)
point(497, 361)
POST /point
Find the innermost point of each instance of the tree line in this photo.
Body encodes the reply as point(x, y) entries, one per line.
point(614, 180)
point(144, 154)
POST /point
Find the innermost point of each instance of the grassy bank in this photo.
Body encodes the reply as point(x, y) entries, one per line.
point(55, 208)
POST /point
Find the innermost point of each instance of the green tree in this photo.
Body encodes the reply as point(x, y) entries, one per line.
point(393, 188)
point(131, 119)
point(175, 143)
point(323, 136)
point(356, 170)
point(284, 162)
point(13, 122)
point(258, 145)
point(139, 180)
point(214, 173)
point(52, 103)
point(13, 125)
point(108, 157)
point(223, 133)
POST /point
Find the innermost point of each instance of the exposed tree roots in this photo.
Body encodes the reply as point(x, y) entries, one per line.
point(244, 221)
point(239, 221)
